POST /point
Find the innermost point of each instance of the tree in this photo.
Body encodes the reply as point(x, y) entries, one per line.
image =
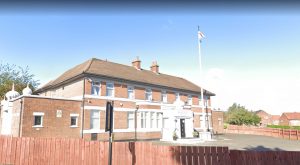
point(10, 74)
point(239, 115)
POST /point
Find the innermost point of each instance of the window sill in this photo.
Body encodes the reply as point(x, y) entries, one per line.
point(73, 126)
point(37, 126)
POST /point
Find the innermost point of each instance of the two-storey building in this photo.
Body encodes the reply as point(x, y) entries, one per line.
point(73, 105)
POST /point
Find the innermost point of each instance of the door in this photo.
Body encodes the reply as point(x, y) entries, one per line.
point(182, 128)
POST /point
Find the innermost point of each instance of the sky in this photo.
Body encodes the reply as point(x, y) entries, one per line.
point(249, 57)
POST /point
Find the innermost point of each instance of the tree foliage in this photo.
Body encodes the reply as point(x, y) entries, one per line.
point(10, 74)
point(239, 115)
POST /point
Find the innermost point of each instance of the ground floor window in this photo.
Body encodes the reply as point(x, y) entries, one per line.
point(150, 120)
point(130, 120)
point(38, 119)
point(74, 120)
point(95, 119)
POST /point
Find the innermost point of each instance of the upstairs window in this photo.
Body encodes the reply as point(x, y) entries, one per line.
point(200, 100)
point(148, 94)
point(96, 88)
point(110, 89)
point(164, 96)
point(190, 100)
point(177, 96)
point(130, 91)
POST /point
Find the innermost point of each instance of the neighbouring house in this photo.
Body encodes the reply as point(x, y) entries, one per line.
point(146, 104)
point(266, 118)
point(217, 121)
point(275, 119)
point(290, 119)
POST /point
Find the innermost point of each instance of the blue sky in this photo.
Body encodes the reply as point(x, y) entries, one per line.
point(255, 55)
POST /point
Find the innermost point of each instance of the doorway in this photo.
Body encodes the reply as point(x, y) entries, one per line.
point(182, 128)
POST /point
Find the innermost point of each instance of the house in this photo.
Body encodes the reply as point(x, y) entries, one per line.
point(146, 104)
point(266, 118)
point(290, 119)
point(275, 119)
point(217, 121)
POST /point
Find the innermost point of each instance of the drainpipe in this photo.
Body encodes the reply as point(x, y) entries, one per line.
point(135, 123)
point(21, 115)
point(82, 108)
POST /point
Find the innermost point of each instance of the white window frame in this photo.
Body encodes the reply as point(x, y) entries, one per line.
point(190, 100)
point(96, 86)
point(38, 114)
point(130, 118)
point(159, 120)
point(148, 91)
point(130, 89)
point(76, 116)
point(164, 96)
point(152, 120)
point(113, 89)
point(94, 117)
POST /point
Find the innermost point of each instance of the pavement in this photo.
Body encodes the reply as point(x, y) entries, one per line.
point(243, 142)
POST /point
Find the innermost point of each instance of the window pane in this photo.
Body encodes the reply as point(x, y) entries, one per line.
point(152, 120)
point(37, 120)
point(109, 92)
point(73, 121)
point(95, 119)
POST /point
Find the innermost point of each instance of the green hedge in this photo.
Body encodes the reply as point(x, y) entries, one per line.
point(284, 127)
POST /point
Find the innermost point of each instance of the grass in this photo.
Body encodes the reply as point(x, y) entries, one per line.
point(284, 127)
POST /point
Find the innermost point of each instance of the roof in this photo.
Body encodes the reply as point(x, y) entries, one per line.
point(275, 117)
point(292, 115)
point(261, 112)
point(108, 69)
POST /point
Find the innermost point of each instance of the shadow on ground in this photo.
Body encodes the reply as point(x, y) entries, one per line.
point(262, 148)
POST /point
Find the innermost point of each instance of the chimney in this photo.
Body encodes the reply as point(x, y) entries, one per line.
point(137, 63)
point(154, 67)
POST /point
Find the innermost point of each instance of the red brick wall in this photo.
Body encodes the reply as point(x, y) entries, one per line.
point(170, 97)
point(139, 93)
point(218, 121)
point(156, 95)
point(52, 125)
point(283, 120)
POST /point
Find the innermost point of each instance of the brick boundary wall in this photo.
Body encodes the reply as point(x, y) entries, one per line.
point(31, 151)
point(290, 134)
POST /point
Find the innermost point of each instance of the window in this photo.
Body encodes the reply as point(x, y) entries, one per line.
point(74, 120)
point(165, 122)
point(130, 119)
point(200, 100)
point(177, 96)
point(96, 88)
point(190, 100)
point(110, 89)
point(95, 119)
point(158, 120)
point(130, 91)
point(143, 119)
point(38, 119)
point(148, 94)
point(152, 119)
point(164, 96)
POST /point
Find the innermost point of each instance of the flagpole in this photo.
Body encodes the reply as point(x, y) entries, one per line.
point(200, 36)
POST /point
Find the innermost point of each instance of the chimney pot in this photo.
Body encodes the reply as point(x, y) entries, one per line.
point(137, 63)
point(154, 67)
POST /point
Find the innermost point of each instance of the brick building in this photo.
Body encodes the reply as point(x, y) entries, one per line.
point(266, 118)
point(73, 105)
point(290, 119)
